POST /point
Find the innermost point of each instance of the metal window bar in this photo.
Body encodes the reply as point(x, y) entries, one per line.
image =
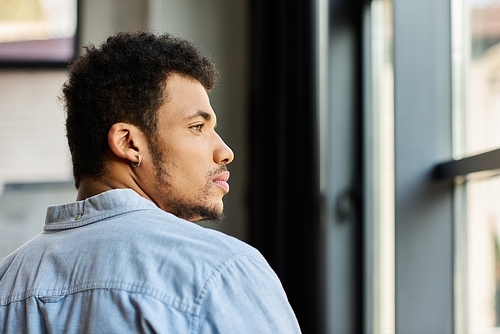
point(480, 165)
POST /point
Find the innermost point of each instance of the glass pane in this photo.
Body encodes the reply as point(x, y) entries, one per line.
point(37, 30)
point(481, 132)
point(482, 76)
point(483, 255)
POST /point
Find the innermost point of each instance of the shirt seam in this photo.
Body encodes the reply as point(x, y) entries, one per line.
point(201, 298)
point(138, 288)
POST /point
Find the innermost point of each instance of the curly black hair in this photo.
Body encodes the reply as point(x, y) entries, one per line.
point(123, 80)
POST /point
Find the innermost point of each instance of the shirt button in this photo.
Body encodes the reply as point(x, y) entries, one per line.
point(78, 217)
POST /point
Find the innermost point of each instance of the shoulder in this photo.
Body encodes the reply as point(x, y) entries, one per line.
point(244, 295)
point(161, 227)
point(158, 244)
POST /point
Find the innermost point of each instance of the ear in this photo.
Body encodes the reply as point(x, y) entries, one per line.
point(126, 141)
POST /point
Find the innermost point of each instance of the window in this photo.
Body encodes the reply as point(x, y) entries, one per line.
point(37, 31)
point(476, 107)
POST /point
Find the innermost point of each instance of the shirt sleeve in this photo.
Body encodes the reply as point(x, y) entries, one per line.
point(245, 296)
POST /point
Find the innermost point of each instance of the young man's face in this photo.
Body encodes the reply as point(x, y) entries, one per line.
point(189, 158)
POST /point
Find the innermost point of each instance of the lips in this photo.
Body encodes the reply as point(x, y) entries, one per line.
point(221, 181)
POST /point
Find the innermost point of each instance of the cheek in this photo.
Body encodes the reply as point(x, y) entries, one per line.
point(189, 176)
point(188, 161)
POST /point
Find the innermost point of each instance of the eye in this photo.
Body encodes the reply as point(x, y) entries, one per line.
point(196, 127)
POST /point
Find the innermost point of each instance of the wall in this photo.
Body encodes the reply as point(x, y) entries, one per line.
point(32, 139)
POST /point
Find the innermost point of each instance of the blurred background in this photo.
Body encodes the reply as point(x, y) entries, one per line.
point(366, 136)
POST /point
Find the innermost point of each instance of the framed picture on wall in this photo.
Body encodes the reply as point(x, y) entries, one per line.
point(38, 33)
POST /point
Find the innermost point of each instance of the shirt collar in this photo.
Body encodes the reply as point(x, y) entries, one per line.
point(95, 208)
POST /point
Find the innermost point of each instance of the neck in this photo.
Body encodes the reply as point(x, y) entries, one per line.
point(118, 175)
point(90, 187)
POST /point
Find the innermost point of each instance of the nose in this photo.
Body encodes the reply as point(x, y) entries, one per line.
point(223, 154)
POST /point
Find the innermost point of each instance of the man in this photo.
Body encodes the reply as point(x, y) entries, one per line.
point(126, 257)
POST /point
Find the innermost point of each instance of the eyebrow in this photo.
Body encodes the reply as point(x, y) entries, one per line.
point(201, 113)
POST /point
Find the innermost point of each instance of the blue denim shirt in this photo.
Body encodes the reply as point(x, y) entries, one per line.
point(116, 263)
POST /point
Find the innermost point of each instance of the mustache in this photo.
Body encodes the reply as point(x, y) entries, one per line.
point(218, 170)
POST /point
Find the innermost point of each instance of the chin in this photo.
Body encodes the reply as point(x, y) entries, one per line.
point(199, 212)
point(214, 217)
